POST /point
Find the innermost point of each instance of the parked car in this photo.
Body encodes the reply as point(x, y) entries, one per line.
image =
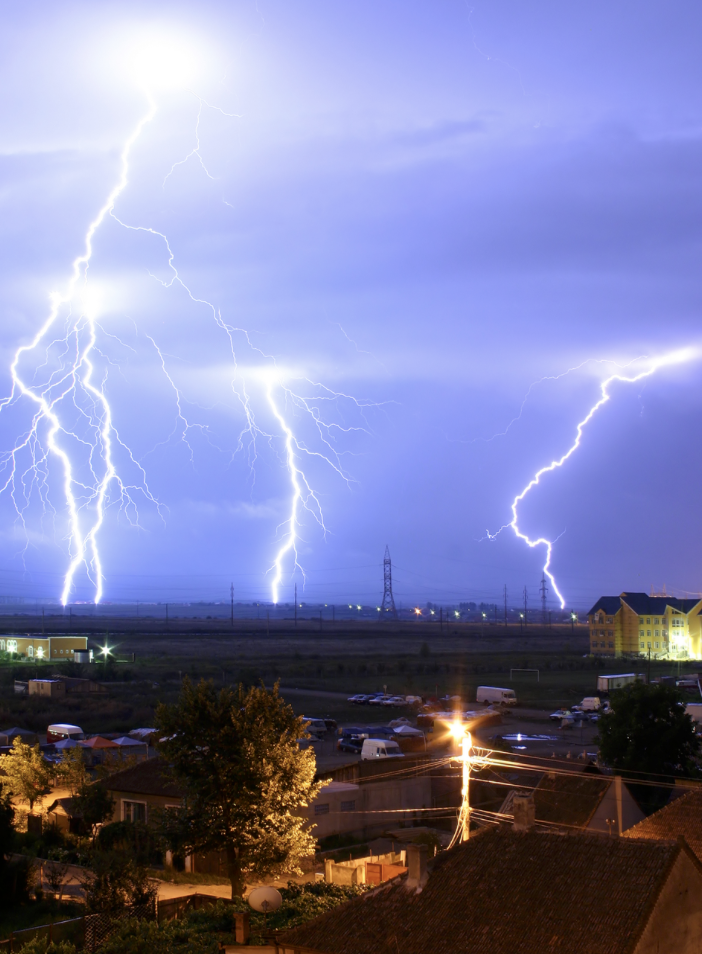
point(351, 743)
point(331, 724)
point(396, 701)
point(378, 699)
point(316, 727)
point(559, 714)
point(358, 699)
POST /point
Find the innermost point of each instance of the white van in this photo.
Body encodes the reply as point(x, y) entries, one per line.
point(381, 749)
point(316, 728)
point(589, 704)
point(505, 697)
point(61, 730)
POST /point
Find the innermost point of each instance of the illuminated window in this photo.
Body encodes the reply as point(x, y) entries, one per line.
point(12, 645)
point(30, 650)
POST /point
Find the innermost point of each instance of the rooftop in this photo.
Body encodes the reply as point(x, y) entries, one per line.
point(146, 778)
point(507, 892)
point(680, 817)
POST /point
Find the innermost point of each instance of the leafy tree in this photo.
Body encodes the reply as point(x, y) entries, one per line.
point(95, 805)
point(27, 773)
point(244, 777)
point(117, 883)
point(648, 736)
point(72, 771)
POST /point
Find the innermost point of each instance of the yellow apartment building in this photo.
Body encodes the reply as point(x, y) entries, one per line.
point(44, 647)
point(637, 623)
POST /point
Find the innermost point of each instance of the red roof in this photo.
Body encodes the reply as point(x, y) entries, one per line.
point(99, 743)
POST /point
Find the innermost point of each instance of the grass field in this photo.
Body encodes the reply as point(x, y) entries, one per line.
point(323, 666)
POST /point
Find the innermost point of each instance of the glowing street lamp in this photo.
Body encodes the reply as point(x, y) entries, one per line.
point(417, 611)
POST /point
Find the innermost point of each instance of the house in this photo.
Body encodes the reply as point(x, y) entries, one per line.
point(53, 688)
point(44, 647)
point(63, 815)
point(523, 892)
point(679, 818)
point(141, 789)
point(637, 623)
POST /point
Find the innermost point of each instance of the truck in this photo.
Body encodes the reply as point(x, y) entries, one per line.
point(608, 683)
point(380, 749)
point(492, 694)
point(62, 730)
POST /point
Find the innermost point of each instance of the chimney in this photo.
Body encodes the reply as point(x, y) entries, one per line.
point(417, 866)
point(524, 812)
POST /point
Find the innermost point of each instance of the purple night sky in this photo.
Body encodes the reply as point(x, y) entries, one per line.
point(401, 216)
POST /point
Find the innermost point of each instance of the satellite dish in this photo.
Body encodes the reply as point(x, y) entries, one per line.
point(265, 899)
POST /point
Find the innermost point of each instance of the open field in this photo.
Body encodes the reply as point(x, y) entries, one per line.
point(322, 667)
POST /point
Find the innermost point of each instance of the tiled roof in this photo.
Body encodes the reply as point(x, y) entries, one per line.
point(681, 817)
point(507, 892)
point(146, 778)
point(610, 605)
point(642, 604)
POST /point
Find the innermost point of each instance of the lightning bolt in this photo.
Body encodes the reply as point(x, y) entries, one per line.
point(71, 397)
point(655, 364)
point(70, 385)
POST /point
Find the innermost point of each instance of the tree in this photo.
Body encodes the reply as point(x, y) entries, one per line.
point(27, 773)
point(648, 736)
point(95, 805)
point(236, 756)
point(117, 884)
point(72, 770)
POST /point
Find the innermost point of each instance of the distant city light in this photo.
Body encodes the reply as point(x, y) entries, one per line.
point(417, 611)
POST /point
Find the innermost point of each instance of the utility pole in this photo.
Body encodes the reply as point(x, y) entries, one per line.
point(543, 590)
point(505, 593)
point(526, 619)
point(296, 605)
point(465, 807)
point(388, 604)
point(231, 590)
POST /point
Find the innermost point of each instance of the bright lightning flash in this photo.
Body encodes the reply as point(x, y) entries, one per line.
point(655, 364)
point(72, 421)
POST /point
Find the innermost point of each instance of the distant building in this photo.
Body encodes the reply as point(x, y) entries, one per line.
point(47, 687)
point(523, 892)
point(44, 647)
point(637, 623)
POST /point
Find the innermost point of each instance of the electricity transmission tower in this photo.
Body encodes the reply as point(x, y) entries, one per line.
point(388, 604)
point(543, 590)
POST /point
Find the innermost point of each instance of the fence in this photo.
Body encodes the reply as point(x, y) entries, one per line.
point(86, 933)
point(178, 907)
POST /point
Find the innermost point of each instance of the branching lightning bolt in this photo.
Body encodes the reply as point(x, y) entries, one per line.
point(69, 385)
point(675, 357)
point(72, 395)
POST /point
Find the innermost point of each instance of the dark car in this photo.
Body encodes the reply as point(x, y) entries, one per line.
point(350, 743)
point(331, 724)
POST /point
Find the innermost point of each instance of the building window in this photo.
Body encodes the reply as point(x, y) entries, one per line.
point(648, 633)
point(640, 620)
point(602, 645)
point(349, 806)
point(641, 632)
point(12, 645)
point(656, 645)
point(609, 619)
point(656, 621)
point(611, 645)
point(657, 634)
point(649, 645)
point(642, 646)
point(610, 634)
point(648, 621)
point(322, 809)
point(30, 650)
point(134, 811)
